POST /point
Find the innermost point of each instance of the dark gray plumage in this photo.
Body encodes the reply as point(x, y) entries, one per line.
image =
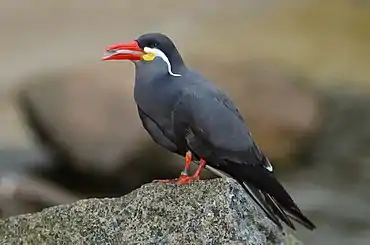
point(188, 112)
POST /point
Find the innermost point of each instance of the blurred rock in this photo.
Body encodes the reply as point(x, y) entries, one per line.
point(282, 112)
point(13, 132)
point(205, 212)
point(21, 160)
point(85, 115)
point(20, 193)
point(17, 151)
point(334, 189)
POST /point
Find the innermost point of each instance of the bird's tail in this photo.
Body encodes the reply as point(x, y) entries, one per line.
point(258, 197)
point(271, 196)
point(285, 214)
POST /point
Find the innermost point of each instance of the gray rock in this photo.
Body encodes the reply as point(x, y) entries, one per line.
point(214, 211)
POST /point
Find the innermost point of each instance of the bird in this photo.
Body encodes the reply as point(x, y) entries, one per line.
point(188, 115)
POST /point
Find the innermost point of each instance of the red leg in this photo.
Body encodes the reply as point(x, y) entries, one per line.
point(184, 173)
point(188, 160)
point(189, 179)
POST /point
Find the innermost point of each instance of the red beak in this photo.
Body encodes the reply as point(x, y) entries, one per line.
point(123, 51)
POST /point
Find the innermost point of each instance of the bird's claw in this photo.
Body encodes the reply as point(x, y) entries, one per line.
point(182, 180)
point(170, 180)
point(186, 180)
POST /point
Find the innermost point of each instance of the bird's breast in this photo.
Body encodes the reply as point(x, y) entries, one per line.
point(157, 101)
point(156, 95)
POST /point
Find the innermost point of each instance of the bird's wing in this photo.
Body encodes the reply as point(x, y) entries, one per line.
point(210, 121)
point(215, 131)
point(156, 132)
point(254, 149)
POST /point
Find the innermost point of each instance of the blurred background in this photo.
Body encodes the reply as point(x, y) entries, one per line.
point(297, 69)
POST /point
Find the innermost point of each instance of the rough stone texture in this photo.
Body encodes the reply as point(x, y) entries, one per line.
point(206, 212)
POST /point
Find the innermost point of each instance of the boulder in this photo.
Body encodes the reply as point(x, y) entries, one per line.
point(214, 211)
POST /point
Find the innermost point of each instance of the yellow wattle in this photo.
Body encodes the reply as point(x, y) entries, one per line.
point(148, 57)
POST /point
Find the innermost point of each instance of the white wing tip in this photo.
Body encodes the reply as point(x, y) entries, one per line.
point(269, 166)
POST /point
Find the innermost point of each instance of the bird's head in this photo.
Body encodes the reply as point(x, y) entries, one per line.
point(146, 48)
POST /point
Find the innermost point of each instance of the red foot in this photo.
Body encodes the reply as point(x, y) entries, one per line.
point(187, 180)
point(183, 176)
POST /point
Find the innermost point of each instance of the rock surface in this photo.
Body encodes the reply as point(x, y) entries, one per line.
point(206, 212)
